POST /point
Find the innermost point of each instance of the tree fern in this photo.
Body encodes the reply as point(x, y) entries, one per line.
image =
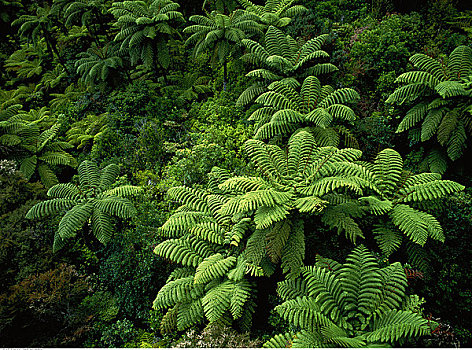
point(144, 28)
point(356, 305)
point(31, 137)
point(291, 182)
point(396, 196)
point(280, 57)
point(442, 101)
point(220, 34)
point(99, 64)
point(277, 13)
point(316, 106)
point(88, 202)
point(207, 243)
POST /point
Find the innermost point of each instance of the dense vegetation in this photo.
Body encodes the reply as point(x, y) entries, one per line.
point(232, 173)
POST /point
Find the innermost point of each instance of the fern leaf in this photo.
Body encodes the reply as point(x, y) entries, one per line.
point(323, 285)
point(116, 206)
point(415, 224)
point(182, 290)
point(74, 220)
point(216, 302)
point(108, 176)
point(189, 314)
point(266, 216)
point(393, 325)
point(213, 267)
point(388, 166)
point(389, 240)
point(188, 252)
point(101, 225)
point(47, 176)
point(242, 292)
point(284, 340)
point(191, 197)
point(294, 250)
point(123, 191)
point(431, 190)
point(68, 191)
point(50, 207)
point(88, 174)
point(304, 312)
point(360, 280)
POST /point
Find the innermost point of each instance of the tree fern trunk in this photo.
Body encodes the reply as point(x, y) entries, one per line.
point(52, 47)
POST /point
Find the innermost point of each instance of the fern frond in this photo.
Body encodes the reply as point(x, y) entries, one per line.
point(213, 267)
point(388, 166)
point(188, 252)
point(182, 290)
point(89, 174)
point(304, 312)
point(389, 240)
point(284, 340)
point(74, 220)
point(50, 207)
point(415, 224)
point(395, 324)
point(189, 314)
point(361, 281)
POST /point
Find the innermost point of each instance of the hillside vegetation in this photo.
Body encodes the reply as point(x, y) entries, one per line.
point(228, 173)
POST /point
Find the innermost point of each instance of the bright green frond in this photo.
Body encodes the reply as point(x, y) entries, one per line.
point(395, 325)
point(188, 252)
point(213, 267)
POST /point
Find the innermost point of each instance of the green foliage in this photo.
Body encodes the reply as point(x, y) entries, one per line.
point(92, 201)
point(449, 277)
point(212, 284)
point(118, 334)
point(374, 52)
point(280, 57)
point(119, 88)
point(190, 86)
point(145, 28)
point(99, 64)
point(356, 304)
point(221, 5)
point(35, 27)
point(299, 180)
point(87, 130)
point(288, 107)
point(30, 139)
point(401, 196)
point(276, 13)
point(443, 102)
point(87, 13)
point(24, 62)
point(221, 34)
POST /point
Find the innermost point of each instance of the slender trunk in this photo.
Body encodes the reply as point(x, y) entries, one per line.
point(52, 47)
point(102, 29)
point(93, 34)
point(225, 75)
point(159, 68)
point(164, 75)
point(128, 76)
